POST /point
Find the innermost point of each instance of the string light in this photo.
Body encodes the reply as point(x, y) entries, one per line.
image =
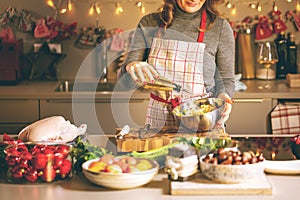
point(95, 7)
point(252, 5)
point(50, 4)
point(258, 6)
point(275, 8)
point(141, 6)
point(297, 5)
point(118, 9)
point(228, 4)
point(69, 5)
point(233, 10)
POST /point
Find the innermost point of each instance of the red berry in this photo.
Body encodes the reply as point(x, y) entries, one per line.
point(31, 175)
point(17, 172)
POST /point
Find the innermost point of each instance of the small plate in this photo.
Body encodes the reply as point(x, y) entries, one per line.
point(282, 167)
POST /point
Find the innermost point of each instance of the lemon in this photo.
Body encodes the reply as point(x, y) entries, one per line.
point(143, 165)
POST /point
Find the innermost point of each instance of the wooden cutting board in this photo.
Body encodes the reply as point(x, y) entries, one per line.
point(202, 186)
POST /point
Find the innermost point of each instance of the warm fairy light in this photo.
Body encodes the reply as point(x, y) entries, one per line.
point(50, 3)
point(228, 5)
point(139, 4)
point(119, 9)
point(63, 11)
point(143, 10)
point(233, 10)
point(298, 5)
point(91, 10)
point(252, 5)
point(69, 5)
point(259, 8)
point(289, 1)
point(275, 8)
point(273, 155)
point(97, 8)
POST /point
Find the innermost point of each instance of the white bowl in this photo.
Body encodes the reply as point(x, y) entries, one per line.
point(120, 181)
point(231, 173)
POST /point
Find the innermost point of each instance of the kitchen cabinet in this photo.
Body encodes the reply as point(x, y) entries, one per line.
point(250, 116)
point(17, 113)
point(102, 116)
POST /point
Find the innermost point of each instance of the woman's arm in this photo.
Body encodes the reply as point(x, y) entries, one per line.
point(225, 61)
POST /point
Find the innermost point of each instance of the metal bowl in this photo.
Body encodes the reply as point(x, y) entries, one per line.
point(192, 116)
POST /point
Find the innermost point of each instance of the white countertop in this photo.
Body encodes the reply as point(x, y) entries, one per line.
point(78, 188)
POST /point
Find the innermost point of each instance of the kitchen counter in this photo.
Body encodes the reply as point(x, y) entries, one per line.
point(78, 188)
point(45, 90)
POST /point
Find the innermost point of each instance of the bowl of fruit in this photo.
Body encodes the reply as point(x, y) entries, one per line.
point(120, 172)
point(38, 162)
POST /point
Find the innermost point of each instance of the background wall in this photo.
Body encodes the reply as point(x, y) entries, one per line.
point(127, 21)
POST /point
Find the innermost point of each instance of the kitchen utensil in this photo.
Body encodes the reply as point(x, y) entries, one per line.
point(199, 114)
point(124, 131)
point(164, 84)
point(144, 132)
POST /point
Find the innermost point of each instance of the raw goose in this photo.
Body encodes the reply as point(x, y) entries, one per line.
point(53, 129)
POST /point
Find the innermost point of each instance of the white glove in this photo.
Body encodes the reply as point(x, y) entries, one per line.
point(141, 72)
point(226, 111)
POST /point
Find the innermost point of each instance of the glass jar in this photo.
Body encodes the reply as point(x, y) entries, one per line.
point(38, 163)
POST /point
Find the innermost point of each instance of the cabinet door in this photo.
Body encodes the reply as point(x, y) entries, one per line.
point(102, 116)
point(250, 116)
point(17, 113)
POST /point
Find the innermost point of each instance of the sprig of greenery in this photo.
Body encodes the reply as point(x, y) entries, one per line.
point(206, 143)
point(84, 151)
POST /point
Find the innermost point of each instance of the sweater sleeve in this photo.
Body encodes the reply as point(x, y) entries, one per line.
point(225, 60)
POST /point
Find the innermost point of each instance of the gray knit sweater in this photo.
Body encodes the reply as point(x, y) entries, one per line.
point(219, 51)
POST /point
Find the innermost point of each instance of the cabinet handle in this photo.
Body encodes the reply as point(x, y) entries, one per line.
point(94, 101)
point(248, 100)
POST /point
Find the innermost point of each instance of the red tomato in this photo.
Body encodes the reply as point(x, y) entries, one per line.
point(65, 168)
point(62, 150)
point(39, 161)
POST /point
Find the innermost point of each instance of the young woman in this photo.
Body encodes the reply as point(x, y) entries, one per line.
point(191, 44)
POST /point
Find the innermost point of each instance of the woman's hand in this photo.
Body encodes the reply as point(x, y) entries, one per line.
point(141, 72)
point(227, 110)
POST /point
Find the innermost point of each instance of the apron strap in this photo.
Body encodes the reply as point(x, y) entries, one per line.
point(202, 27)
point(174, 102)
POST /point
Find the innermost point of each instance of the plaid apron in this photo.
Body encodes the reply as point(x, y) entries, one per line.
point(182, 63)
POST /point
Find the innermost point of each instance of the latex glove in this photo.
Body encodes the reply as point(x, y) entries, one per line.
point(226, 111)
point(141, 72)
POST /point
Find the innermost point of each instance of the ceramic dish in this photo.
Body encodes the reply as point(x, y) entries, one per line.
point(231, 173)
point(120, 181)
point(282, 167)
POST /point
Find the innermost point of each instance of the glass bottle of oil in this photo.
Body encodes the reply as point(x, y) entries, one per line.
point(291, 65)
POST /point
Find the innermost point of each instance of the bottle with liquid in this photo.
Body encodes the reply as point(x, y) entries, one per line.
point(281, 43)
point(291, 65)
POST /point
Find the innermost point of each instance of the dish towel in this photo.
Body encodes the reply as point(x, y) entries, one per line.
point(239, 86)
point(285, 119)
